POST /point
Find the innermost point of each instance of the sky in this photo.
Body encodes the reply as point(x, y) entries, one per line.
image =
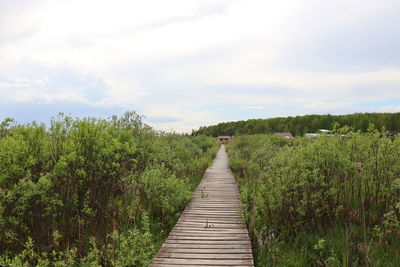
point(189, 63)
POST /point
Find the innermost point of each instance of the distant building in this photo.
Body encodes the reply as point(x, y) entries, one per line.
point(283, 134)
point(323, 132)
point(312, 135)
point(224, 138)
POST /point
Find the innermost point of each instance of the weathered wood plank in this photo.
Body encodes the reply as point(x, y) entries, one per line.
point(205, 256)
point(214, 225)
point(204, 242)
point(208, 250)
point(209, 220)
point(212, 262)
point(197, 265)
point(203, 246)
point(210, 231)
point(209, 238)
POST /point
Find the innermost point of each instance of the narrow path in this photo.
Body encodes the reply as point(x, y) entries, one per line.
point(210, 231)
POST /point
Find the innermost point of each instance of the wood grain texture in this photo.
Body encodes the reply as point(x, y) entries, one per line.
point(210, 231)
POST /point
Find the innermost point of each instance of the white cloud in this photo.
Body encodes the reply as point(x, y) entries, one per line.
point(390, 109)
point(185, 119)
point(38, 90)
point(254, 107)
point(124, 94)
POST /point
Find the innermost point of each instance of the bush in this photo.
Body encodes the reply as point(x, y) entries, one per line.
point(84, 179)
point(340, 189)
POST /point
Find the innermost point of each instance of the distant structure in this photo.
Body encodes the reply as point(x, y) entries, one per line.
point(224, 138)
point(312, 135)
point(283, 134)
point(316, 135)
point(391, 133)
point(324, 131)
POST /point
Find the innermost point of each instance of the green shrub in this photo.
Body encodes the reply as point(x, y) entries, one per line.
point(82, 180)
point(341, 189)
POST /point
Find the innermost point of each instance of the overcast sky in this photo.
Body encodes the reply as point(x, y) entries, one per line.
point(188, 63)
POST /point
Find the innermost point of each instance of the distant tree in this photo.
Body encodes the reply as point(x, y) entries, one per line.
point(302, 124)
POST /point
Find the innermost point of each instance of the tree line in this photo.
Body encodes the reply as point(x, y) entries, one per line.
point(300, 125)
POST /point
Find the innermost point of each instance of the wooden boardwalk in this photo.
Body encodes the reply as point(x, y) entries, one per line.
point(210, 231)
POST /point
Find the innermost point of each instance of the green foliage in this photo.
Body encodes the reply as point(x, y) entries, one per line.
point(163, 195)
point(300, 125)
point(86, 191)
point(332, 201)
point(135, 247)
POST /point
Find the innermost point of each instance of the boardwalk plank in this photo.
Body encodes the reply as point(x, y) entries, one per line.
point(212, 262)
point(206, 246)
point(205, 256)
point(208, 250)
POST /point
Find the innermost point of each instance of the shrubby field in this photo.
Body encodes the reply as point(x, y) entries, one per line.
point(331, 201)
point(90, 192)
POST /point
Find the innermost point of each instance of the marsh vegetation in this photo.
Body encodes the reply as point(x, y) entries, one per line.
point(331, 201)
